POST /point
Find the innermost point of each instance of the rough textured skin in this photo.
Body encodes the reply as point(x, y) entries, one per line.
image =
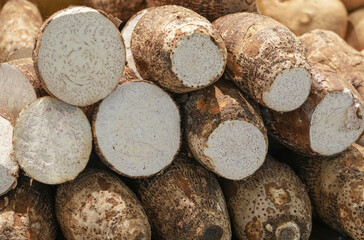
point(47, 8)
point(155, 37)
point(20, 22)
point(259, 48)
point(98, 205)
point(273, 197)
point(326, 47)
point(210, 9)
point(292, 129)
point(336, 187)
point(26, 66)
point(122, 9)
point(353, 4)
point(185, 202)
point(302, 16)
point(207, 108)
point(355, 35)
point(14, 170)
point(26, 213)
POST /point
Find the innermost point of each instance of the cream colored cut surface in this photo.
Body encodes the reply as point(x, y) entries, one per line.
point(81, 56)
point(236, 148)
point(138, 129)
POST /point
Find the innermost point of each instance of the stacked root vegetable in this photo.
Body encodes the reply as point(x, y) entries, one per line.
point(157, 127)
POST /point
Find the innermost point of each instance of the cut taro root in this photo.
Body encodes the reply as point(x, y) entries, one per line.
point(224, 131)
point(79, 56)
point(178, 49)
point(137, 129)
point(126, 34)
point(52, 141)
point(98, 205)
point(8, 166)
point(266, 60)
point(328, 122)
point(19, 85)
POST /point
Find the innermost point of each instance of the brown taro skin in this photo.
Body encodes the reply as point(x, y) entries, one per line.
point(98, 205)
point(328, 48)
point(207, 108)
point(122, 9)
point(26, 213)
point(292, 129)
point(210, 9)
point(336, 187)
point(185, 202)
point(259, 48)
point(20, 22)
point(272, 204)
point(152, 53)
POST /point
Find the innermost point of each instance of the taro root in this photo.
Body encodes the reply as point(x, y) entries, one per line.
point(19, 85)
point(8, 165)
point(210, 9)
point(185, 202)
point(178, 49)
point(336, 188)
point(353, 4)
point(224, 132)
point(122, 9)
point(302, 16)
point(266, 60)
point(271, 204)
point(79, 56)
point(26, 213)
point(355, 36)
point(20, 22)
point(328, 122)
point(137, 129)
point(52, 141)
point(98, 205)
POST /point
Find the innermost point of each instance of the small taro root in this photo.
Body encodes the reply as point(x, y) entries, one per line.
point(126, 34)
point(185, 202)
point(26, 213)
point(336, 188)
point(178, 49)
point(137, 129)
point(266, 60)
point(328, 122)
point(122, 9)
point(52, 141)
point(8, 165)
point(79, 56)
point(20, 22)
point(271, 204)
point(224, 132)
point(19, 85)
point(355, 35)
point(210, 9)
point(302, 16)
point(98, 205)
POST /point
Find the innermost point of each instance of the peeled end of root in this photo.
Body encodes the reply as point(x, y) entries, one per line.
point(236, 149)
point(137, 129)
point(197, 60)
point(8, 166)
point(336, 123)
point(16, 92)
point(80, 56)
point(52, 141)
point(288, 230)
point(289, 90)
